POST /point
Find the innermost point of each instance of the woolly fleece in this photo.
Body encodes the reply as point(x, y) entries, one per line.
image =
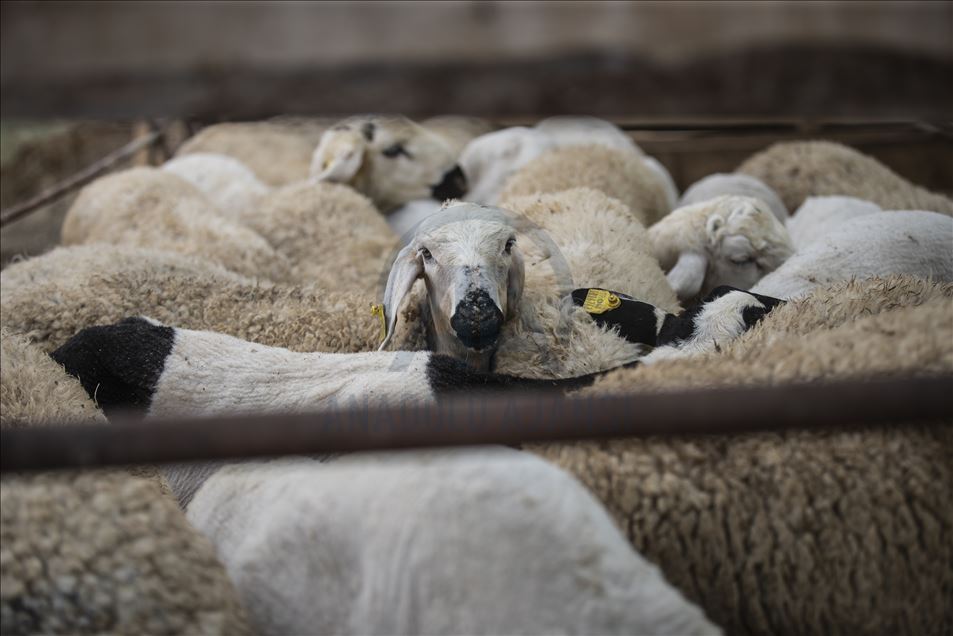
point(800, 169)
point(149, 207)
point(101, 552)
point(277, 154)
point(804, 532)
point(618, 174)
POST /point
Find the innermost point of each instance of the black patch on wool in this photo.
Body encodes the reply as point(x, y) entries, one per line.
point(368, 130)
point(681, 327)
point(635, 320)
point(120, 364)
point(448, 375)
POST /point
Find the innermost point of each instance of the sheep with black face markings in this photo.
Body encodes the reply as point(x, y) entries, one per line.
point(392, 160)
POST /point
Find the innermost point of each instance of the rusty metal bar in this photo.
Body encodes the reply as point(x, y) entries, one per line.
point(81, 178)
point(499, 419)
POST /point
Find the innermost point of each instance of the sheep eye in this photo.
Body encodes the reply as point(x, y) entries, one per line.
point(509, 245)
point(426, 254)
point(395, 151)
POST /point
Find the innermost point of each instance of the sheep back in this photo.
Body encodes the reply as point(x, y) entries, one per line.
point(799, 169)
point(619, 174)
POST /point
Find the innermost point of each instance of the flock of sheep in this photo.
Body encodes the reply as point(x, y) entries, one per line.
point(255, 256)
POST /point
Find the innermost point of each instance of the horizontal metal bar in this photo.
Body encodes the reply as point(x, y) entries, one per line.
point(469, 420)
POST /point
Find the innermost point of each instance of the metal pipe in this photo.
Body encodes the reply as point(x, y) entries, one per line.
point(497, 419)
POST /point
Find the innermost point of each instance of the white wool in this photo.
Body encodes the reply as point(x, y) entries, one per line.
point(491, 159)
point(916, 243)
point(818, 216)
point(476, 541)
point(409, 215)
point(227, 182)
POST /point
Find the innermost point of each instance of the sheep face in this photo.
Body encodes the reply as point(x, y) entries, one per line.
point(744, 244)
point(391, 160)
point(473, 272)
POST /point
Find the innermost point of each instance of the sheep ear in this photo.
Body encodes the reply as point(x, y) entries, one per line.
point(338, 157)
point(514, 282)
point(407, 268)
point(715, 222)
point(687, 276)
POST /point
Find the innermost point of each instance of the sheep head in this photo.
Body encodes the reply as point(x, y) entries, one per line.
point(728, 240)
point(392, 160)
point(473, 272)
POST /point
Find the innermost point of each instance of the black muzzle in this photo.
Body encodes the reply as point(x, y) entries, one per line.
point(477, 321)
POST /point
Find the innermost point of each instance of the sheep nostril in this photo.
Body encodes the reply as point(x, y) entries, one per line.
point(452, 186)
point(477, 322)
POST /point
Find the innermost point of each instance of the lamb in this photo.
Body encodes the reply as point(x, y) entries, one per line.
point(718, 184)
point(618, 174)
point(51, 297)
point(799, 169)
point(724, 515)
point(728, 240)
point(909, 242)
point(818, 216)
point(392, 160)
point(153, 208)
point(227, 182)
point(497, 282)
point(103, 552)
point(277, 154)
point(491, 159)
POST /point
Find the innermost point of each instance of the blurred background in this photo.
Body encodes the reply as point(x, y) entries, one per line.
point(700, 85)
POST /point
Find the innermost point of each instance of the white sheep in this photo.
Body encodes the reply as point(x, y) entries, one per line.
point(818, 216)
point(718, 184)
point(916, 243)
point(152, 208)
point(728, 240)
point(392, 160)
point(491, 159)
point(476, 541)
point(226, 181)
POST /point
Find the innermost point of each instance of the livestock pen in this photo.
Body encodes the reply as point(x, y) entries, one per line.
point(245, 461)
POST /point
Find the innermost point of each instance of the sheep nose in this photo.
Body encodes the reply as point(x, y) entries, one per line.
point(477, 320)
point(452, 186)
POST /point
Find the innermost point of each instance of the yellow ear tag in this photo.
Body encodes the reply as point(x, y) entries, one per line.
point(378, 310)
point(599, 301)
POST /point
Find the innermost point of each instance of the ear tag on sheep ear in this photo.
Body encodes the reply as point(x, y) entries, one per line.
point(378, 310)
point(599, 301)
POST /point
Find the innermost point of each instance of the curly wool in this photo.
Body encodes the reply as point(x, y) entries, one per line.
point(51, 297)
point(149, 207)
point(277, 153)
point(801, 169)
point(101, 552)
point(333, 236)
point(801, 532)
point(621, 175)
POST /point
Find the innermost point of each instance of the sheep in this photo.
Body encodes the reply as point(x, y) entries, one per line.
point(491, 159)
point(392, 160)
point(799, 169)
point(720, 183)
point(149, 207)
point(619, 174)
point(908, 242)
point(728, 240)
point(818, 216)
point(332, 236)
point(277, 154)
point(838, 530)
point(227, 182)
point(102, 552)
point(51, 297)
point(389, 543)
point(498, 281)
